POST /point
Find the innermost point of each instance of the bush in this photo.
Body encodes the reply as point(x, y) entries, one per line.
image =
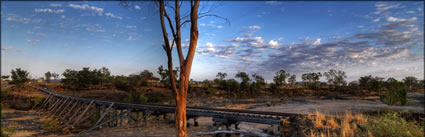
point(121, 83)
point(393, 125)
point(38, 100)
point(210, 91)
point(6, 132)
point(129, 98)
point(93, 118)
point(50, 124)
point(4, 93)
point(19, 76)
point(156, 98)
point(396, 94)
point(143, 98)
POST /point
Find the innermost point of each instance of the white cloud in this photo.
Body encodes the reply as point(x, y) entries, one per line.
point(131, 38)
point(33, 41)
point(130, 27)
point(274, 44)
point(49, 10)
point(393, 19)
point(254, 27)
point(55, 5)
point(317, 42)
point(87, 7)
point(6, 48)
point(376, 20)
point(137, 7)
point(219, 27)
point(112, 15)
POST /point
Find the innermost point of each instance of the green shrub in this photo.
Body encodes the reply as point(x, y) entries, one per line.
point(121, 83)
point(156, 98)
point(393, 125)
point(396, 94)
point(6, 132)
point(143, 98)
point(4, 93)
point(93, 118)
point(129, 98)
point(50, 124)
point(38, 100)
point(210, 91)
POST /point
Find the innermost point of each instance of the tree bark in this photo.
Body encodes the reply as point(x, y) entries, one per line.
point(180, 93)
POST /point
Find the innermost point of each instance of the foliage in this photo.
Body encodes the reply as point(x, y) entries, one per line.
point(207, 83)
point(38, 100)
point(6, 132)
point(129, 98)
point(371, 83)
point(411, 82)
point(312, 79)
point(336, 78)
point(244, 85)
point(393, 125)
point(146, 73)
point(4, 93)
point(156, 98)
point(83, 78)
point(48, 76)
point(121, 83)
point(210, 91)
point(142, 98)
point(396, 94)
point(5, 77)
point(95, 117)
point(292, 80)
point(50, 124)
point(165, 75)
point(257, 85)
point(232, 85)
point(280, 78)
point(19, 76)
point(221, 76)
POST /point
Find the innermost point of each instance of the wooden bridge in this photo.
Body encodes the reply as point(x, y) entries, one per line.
point(73, 111)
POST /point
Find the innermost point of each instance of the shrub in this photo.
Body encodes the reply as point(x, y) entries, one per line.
point(129, 98)
point(93, 118)
point(143, 98)
point(156, 98)
point(210, 91)
point(4, 93)
point(38, 100)
point(50, 124)
point(19, 76)
point(396, 94)
point(6, 132)
point(121, 83)
point(393, 125)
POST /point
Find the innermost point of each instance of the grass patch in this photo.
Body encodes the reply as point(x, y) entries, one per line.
point(50, 124)
point(6, 132)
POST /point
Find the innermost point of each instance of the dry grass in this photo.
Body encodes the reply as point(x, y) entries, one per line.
point(335, 126)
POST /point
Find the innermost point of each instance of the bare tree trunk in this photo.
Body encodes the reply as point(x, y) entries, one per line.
point(180, 94)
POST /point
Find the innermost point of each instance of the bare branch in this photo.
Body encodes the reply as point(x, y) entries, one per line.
point(213, 15)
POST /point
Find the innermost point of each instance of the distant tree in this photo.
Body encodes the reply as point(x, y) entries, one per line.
point(55, 75)
point(257, 85)
point(336, 78)
point(280, 78)
point(292, 80)
point(244, 85)
point(48, 76)
point(411, 82)
point(371, 83)
point(5, 77)
point(232, 86)
point(165, 76)
point(221, 76)
point(312, 79)
point(19, 76)
point(146, 73)
point(396, 93)
point(83, 78)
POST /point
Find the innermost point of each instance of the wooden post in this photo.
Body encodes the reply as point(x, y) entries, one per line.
point(128, 117)
point(114, 114)
point(45, 100)
point(103, 114)
point(61, 107)
point(67, 108)
point(121, 118)
point(82, 114)
point(72, 108)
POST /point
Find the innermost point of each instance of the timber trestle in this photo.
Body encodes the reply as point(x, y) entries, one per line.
point(82, 112)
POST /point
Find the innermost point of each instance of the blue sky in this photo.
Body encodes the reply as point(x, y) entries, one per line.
point(362, 38)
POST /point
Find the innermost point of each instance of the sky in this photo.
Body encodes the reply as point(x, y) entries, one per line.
point(383, 39)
